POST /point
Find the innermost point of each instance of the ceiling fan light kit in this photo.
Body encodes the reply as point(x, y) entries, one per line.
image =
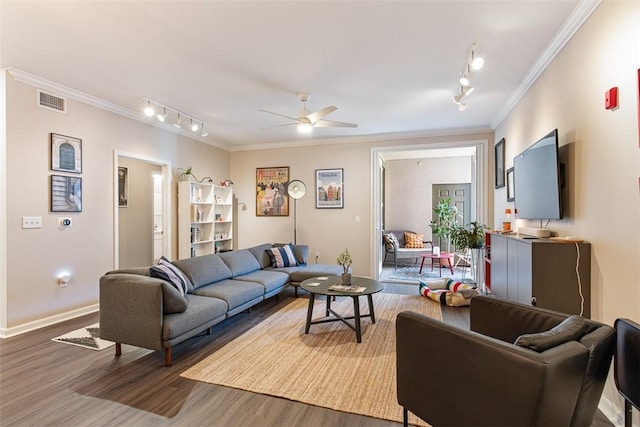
point(149, 111)
point(473, 63)
point(306, 121)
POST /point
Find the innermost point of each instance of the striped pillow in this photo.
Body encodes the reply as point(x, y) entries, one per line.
point(282, 256)
point(165, 270)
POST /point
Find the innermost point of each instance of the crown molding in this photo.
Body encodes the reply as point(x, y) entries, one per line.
point(580, 14)
point(39, 82)
point(376, 138)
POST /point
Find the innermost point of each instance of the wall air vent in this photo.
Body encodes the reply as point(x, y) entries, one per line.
point(52, 102)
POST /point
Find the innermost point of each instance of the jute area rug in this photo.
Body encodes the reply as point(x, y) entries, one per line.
point(325, 368)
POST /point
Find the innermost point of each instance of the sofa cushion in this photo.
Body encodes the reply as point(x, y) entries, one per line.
point(240, 262)
point(413, 240)
point(234, 292)
point(261, 255)
point(270, 279)
point(282, 256)
point(571, 329)
point(302, 253)
point(204, 270)
point(170, 273)
point(173, 301)
point(201, 310)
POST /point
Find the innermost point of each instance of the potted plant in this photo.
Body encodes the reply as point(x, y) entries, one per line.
point(466, 237)
point(444, 220)
point(186, 174)
point(344, 259)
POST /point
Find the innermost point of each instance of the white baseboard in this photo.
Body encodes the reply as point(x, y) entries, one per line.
point(47, 321)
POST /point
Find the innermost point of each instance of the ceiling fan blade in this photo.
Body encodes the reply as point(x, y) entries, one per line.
point(281, 115)
point(314, 117)
point(334, 124)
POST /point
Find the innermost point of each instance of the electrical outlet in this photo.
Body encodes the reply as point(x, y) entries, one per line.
point(317, 253)
point(31, 222)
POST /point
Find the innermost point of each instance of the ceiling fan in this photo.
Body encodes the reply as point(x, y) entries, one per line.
point(307, 120)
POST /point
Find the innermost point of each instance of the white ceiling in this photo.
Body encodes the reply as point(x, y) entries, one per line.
point(390, 66)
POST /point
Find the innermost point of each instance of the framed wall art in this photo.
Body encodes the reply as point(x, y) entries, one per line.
point(123, 187)
point(499, 164)
point(511, 191)
point(329, 189)
point(66, 153)
point(66, 193)
point(271, 196)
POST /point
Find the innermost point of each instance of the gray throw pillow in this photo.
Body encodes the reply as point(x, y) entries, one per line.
point(571, 329)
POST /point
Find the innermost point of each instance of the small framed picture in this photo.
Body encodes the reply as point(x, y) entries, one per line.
point(499, 164)
point(66, 193)
point(66, 153)
point(123, 187)
point(511, 191)
point(329, 189)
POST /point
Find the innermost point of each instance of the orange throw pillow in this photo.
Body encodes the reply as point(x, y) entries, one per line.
point(413, 240)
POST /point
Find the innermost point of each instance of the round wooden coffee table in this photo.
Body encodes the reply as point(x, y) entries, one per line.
point(323, 286)
point(440, 257)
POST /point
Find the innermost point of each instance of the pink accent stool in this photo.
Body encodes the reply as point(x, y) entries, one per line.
point(440, 257)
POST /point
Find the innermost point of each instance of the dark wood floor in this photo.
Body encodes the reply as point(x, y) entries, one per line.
point(44, 383)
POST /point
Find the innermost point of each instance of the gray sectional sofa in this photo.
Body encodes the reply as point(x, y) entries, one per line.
point(149, 312)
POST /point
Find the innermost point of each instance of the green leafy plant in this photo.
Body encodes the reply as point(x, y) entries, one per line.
point(344, 259)
point(468, 236)
point(444, 219)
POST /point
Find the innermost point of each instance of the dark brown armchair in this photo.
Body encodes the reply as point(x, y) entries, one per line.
point(455, 377)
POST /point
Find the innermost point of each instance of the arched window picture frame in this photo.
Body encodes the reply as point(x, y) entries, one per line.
point(66, 153)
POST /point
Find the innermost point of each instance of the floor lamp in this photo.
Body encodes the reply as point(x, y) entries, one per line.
point(296, 190)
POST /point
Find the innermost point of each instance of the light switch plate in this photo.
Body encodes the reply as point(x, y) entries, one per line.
point(31, 222)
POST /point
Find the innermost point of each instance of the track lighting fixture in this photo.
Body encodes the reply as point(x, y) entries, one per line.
point(178, 122)
point(179, 116)
point(162, 117)
point(148, 111)
point(473, 63)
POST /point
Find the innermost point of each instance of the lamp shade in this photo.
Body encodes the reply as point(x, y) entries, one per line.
point(296, 189)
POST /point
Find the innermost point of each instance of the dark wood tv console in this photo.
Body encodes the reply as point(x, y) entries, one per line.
point(541, 272)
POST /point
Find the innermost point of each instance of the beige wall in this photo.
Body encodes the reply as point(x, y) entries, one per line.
point(86, 250)
point(603, 164)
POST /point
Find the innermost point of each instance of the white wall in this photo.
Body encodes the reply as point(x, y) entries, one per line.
point(409, 188)
point(35, 257)
point(603, 164)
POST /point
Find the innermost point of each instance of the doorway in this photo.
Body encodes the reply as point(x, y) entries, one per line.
point(142, 217)
point(460, 195)
point(478, 205)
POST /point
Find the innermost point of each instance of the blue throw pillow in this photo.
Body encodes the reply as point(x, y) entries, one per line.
point(282, 256)
point(165, 270)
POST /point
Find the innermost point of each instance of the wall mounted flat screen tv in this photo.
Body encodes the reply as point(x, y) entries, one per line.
point(537, 180)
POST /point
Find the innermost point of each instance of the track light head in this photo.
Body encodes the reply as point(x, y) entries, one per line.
point(468, 90)
point(148, 111)
point(204, 132)
point(477, 63)
point(178, 122)
point(194, 126)
point(462, 106)
point(464, 80)
point(163, 116)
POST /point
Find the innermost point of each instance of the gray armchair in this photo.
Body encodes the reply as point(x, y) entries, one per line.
point(455, 377)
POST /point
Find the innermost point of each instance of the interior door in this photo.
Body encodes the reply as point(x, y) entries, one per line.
point(460, 195)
